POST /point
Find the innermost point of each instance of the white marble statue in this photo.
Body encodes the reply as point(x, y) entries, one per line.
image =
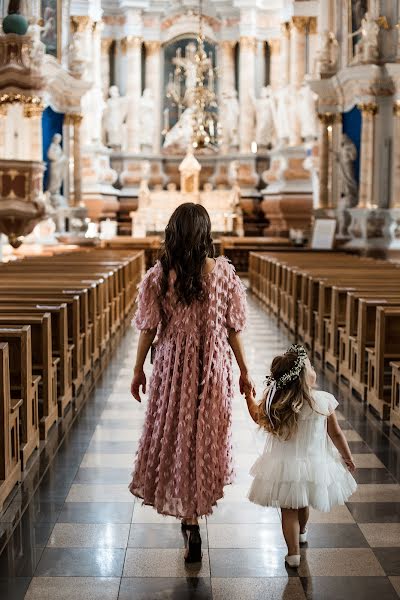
point(283, 115)
point(146, 116)
point(346, 157)
point(93, 106)
point(114, 118)
point(37, 49)
point(77, 59)
point(229, 118)
point(58, 165)
point(265, 120)
point(181, 134)
point(189, 65)
point(367, 48)
point(307, 112)
point(327, 57)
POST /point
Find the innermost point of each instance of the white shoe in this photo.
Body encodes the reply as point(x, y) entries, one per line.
point(303, 537)
point(293, 560)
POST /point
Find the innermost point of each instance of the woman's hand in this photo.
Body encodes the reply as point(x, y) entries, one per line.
point(350, 465)
point(246, 385)
point(139, 379)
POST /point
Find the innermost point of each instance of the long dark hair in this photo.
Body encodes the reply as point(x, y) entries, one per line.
point(14, 7)
point(287, 402)
point(187, 245)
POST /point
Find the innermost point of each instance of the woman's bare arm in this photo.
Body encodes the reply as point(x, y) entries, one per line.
point(146, 339)
point(139, 378)
point(235, 342)
point(337, 437)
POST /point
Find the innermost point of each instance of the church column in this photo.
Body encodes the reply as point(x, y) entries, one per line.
point(275, 63)
point(153, 82)
point(227, 65)
point(132, 46)
point(34, 114)
point(395, 195)
point(76, 121)
point(105, 65)
point(366, 194)
point(325, 159)
point(248, 46)
point(285, 54)
point(298, 66)
point(312, 44)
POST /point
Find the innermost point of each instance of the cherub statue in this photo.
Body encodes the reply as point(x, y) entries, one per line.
point(326, 60)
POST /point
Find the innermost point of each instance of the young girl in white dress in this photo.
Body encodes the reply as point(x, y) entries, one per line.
point(306, 460)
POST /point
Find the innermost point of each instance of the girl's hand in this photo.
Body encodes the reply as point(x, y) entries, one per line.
point(350, 465)
point(139, 379)
point(246, 385)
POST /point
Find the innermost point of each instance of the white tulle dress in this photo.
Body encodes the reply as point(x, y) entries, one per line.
point(306, 470)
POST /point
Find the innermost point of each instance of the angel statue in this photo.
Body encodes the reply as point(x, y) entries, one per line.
point(326, 60)
point(367, 48)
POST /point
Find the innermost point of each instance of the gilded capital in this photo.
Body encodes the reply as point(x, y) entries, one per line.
point(312, 25)
point(106, 45)
point(227, 45)
point(131, 42)
point(285, 29)
point(248, 43)
point(80, 23)
point(33, 110)
point(300, 24)
point(153, 46)
point(274, 46)
point(368, 108)
point(327, 119)
point(396, 108)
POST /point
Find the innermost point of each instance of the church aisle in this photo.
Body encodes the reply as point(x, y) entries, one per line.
point(85, 537)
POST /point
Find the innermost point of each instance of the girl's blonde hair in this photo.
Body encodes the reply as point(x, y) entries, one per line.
point(288, 401)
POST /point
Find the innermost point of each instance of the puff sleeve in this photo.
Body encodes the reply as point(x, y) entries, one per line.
point(325, 402)
point(148, 312)
point(236, 316)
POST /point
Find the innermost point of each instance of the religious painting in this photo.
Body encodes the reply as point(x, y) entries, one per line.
point(51, 34)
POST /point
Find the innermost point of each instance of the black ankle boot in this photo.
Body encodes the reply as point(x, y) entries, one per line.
point(194, 553)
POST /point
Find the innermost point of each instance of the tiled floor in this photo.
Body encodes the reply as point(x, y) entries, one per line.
point(83, 536)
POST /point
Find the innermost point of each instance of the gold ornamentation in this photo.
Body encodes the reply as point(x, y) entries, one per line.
point(396, 108)
point(3, 110)
point(34, 101)
point(300, 24)
point(106, 45)
point(227, 45)
point(285, 29)
point(274, 46)
point(248, 43)
point(312, 26)
point(153, 47)
point(33, 110)
point(80, 23)
point(327, 119)
point(129, 42)
point(369, 108)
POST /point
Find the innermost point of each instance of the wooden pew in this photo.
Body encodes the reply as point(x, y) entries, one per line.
point(386, 350)
point(43, 362)
point(395, 406)
point(23, 385)
point(10, 462)
point(61, 349)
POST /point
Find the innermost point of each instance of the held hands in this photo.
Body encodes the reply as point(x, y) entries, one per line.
point(139, 379)
point(246, 385)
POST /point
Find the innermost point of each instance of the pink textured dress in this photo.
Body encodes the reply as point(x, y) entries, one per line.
point(184, 457)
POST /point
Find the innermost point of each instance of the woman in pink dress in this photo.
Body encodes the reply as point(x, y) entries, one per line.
point(196, 305)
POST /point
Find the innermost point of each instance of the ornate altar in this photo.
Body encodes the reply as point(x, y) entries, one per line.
point(155, 207)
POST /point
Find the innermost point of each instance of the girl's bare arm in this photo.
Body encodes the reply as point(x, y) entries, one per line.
point(252, 407)
point(337, 437)
point(146, 339)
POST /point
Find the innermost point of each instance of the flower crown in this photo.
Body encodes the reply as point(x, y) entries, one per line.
point(294, 372)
